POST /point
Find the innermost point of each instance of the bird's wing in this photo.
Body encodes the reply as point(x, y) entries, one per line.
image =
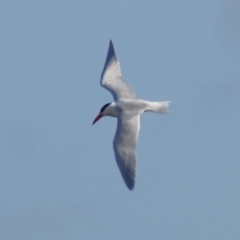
point(111, 77)
point(125, 144)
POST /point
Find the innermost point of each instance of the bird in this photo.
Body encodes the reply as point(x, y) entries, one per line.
point(127, 108)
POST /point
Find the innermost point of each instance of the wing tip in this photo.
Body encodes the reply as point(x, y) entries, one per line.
point(130, 185)
point(111, 52)
point(110, 55)
point(129, 180)
point(131, 188)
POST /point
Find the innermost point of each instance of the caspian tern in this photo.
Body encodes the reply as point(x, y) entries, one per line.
point(127, 108)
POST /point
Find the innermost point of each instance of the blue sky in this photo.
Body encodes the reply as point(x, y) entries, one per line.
point(58, 176)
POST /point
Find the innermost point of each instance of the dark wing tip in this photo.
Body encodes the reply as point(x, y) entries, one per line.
point(129, 179)
point(111, 52)
point(130, 184)
point(131, 187)
point(110, 55)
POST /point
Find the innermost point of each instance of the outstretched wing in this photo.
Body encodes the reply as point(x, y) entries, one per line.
point(125, 144)
point(111, 77)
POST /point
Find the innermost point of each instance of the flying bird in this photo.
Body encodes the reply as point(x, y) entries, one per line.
point(127, 108)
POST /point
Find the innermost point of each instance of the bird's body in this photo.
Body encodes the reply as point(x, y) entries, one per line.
point(127, 107)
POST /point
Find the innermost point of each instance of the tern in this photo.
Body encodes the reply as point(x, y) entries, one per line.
point(127, 108)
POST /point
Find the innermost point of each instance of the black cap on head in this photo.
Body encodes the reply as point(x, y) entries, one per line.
point(103, 108)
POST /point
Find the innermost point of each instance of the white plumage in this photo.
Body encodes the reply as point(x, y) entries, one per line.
point(127, 107)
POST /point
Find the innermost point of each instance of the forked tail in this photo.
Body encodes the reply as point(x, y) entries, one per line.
point(159, 107)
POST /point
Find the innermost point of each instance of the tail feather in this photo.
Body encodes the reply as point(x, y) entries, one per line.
point(159, 107)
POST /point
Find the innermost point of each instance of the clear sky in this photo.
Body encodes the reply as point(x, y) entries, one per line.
point(58, 176)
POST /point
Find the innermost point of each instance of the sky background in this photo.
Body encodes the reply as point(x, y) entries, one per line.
point(58, 176)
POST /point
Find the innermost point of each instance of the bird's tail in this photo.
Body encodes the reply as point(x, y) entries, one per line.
point(159, 107)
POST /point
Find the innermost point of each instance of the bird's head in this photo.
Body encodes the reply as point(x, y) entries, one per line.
point(108, 109)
